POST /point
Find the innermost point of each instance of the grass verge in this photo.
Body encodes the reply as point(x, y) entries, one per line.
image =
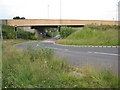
point(16, 41)
point(96, 36)
point(29, 68)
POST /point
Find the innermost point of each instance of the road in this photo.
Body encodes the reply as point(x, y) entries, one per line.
point(98, 57)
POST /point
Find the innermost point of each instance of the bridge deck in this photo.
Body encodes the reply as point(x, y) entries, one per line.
point(53, 22)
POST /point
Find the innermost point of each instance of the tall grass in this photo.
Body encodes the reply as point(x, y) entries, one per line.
point(93, 35)
point(29, 68)
point(102, 27)
point(16, 41)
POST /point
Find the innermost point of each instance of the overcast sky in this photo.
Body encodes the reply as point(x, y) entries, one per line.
point(70, 9)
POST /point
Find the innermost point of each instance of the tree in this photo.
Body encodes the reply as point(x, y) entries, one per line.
point(22, 17)
point(17, 17)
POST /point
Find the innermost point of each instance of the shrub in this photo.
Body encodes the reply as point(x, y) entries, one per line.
point(8, 33)
point(51, 34)
point(66, 31)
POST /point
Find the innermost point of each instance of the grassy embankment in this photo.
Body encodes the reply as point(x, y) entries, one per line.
point(28, 68)
point(104, 35)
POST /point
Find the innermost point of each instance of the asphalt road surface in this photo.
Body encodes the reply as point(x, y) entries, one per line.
point(98, 57)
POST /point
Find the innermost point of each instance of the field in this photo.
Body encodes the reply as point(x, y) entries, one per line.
point(96, 35)
point(29, 68)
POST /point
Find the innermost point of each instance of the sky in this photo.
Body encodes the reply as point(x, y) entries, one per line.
point(51, 9)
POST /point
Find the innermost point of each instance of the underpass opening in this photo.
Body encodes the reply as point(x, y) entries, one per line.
point(41, 30)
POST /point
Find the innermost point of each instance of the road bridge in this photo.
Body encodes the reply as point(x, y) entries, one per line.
point(41, 24)
point(56, 22)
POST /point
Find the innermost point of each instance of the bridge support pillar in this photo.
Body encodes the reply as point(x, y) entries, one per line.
point(58, 28)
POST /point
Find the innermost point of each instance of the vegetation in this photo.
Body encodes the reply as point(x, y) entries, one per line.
point(52, 32)
point(33, 68)
point(0, 63)
point(9, 33)
point(93, 35)
point(17, 17)
point(16, 41)
point(30, 68)
point(66, 31)
point(102, 27)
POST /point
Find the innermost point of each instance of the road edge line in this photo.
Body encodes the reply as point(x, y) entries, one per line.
point(88, 46)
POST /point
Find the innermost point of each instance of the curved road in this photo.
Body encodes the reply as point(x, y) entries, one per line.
point(100, 58)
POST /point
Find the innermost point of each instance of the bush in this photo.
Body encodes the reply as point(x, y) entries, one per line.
point(8, 33)
point(25, 35)
point(51, 34)
point(66, 31)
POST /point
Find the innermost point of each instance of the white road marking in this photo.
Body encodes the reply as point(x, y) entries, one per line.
point(90, 52)
point(58, 48)
point(87, 46)
point(37, 45)
point(104, 53)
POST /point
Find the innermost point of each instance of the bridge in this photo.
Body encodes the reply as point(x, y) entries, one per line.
point(41, 24)
point(55, 22)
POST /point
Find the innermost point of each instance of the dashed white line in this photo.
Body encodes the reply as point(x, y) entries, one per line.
point(90, 52)
point(104, 53)
point(88, 46)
